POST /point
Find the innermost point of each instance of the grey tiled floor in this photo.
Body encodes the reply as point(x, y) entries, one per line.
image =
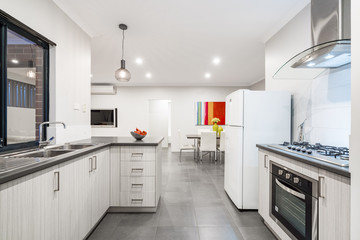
point(193, 205)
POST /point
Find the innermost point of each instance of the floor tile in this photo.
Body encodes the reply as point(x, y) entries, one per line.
point(177, 233)
point(256, 233)
point(134, 233)
point(218, 233)
point(212, 216)
point(177, 215)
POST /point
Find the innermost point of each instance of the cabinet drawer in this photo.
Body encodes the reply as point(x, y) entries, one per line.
point(137, 184)
point(138, 153)
point(140, 199)
point(138, 169)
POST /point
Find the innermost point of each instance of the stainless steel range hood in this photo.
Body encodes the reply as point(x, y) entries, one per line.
point(331, 38)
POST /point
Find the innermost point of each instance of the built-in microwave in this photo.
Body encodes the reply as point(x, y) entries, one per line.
point(294, 202)
point(104, 118)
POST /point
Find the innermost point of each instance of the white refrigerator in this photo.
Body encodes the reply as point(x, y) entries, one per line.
point(252, 117)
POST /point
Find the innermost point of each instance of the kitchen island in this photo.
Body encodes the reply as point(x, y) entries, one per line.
point(66, 196)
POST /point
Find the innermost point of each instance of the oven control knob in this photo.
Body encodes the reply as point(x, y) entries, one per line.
point(287, 175)
point(280, 172)
point(296, 180)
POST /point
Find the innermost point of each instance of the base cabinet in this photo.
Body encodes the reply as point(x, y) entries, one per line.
point(334, 206)
point(29, 207)
point(264, 183)
point(333, 200)
point(135, 177)
point(60, 203)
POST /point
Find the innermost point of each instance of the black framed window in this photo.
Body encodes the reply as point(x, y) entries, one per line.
point(24, 84)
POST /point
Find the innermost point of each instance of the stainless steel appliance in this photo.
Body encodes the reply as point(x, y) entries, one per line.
point(331, 40)
point(294, 202)
point(330, 154)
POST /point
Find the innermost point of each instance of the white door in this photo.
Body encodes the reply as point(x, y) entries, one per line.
point(235, 108)
point(158, 119)
point(233, 164)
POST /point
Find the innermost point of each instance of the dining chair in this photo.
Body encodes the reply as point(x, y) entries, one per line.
point(221, 146)
point(207, 143)
point(185, 147)
point(200, 130)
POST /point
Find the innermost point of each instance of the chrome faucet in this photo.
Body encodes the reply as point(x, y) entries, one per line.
point(42, 142)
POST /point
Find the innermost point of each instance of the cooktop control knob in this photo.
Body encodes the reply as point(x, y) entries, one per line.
point(293, 147)
point(303, 149)
point(309, 151)
point(296, 180)
point(298, 148)
point(287, 175)
point(289, 147)
point(280, 172)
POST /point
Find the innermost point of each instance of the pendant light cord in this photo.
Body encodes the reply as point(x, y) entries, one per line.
point(122, 49)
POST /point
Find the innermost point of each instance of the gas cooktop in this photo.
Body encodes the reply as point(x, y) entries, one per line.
point(334, 155)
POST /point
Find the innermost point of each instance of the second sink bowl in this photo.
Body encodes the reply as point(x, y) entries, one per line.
point(43, 154)
point(75, 146)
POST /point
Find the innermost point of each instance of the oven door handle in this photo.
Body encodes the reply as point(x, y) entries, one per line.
point(289, 190)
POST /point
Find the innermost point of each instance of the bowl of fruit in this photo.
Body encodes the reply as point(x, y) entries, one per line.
point(138, 134)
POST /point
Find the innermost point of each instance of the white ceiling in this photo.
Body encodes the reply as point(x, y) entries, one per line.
point(178, 39)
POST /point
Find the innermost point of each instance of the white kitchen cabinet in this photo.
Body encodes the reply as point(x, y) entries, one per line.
point(100, 185)
point(84, 194)
point(135, 177)
point(29, 207)
point(264, 183)
point(334, 206)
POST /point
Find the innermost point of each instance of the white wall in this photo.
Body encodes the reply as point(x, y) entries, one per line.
point(355, 120)
point(259, 86)
point(71, 58)
point(324, 101)
point(133, 108)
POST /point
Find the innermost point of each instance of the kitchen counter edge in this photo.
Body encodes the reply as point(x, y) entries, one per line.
point(343, 171)
point(99, 143)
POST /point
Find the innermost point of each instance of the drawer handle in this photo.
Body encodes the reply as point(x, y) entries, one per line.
point(95, 162)
point(137, 185)
point(321, 187)
point(137, 155)
point(265, 161)
point(137, 200)
point(56, 181)
point(90, 165)
point(137, 170)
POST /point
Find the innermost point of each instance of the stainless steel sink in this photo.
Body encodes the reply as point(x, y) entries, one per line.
point(42, 153)
point(74, 146)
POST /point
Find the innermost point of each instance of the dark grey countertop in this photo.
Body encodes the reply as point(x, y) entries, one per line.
point(344, 171)
point(38, 164)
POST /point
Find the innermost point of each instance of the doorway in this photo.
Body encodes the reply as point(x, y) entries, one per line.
point(160, 119)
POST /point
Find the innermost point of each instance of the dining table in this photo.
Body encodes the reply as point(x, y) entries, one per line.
point(197, 137)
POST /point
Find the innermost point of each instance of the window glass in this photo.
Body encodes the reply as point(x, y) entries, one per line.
point(25, 81)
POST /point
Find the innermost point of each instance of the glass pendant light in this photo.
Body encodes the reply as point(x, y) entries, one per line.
point(122, 74)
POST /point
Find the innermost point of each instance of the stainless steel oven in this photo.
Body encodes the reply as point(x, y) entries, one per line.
point(294, 202)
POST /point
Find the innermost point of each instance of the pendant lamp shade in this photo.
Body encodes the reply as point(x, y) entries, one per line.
point(122, 74)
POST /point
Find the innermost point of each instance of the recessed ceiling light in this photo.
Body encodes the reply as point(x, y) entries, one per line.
point(216, 61)
point(148, 75)
point(139, 61)
point(207, 75)
point(15, 61)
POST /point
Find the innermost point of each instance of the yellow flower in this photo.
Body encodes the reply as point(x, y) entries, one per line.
point(215, 120)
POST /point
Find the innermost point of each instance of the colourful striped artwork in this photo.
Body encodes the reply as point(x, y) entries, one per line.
point(206, 111)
